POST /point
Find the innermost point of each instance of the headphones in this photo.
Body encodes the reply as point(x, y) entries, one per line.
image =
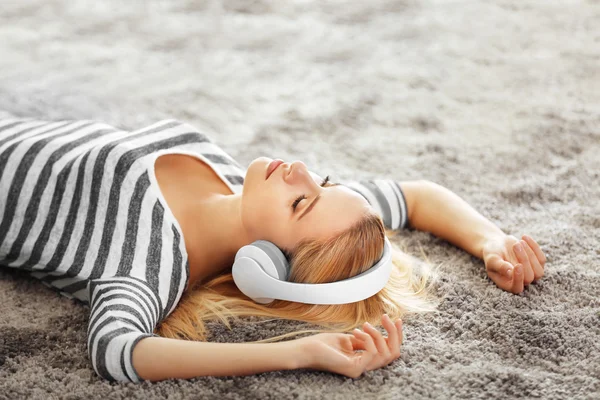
point(261, 270)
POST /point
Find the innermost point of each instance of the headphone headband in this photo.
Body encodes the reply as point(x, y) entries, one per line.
point(261, 275)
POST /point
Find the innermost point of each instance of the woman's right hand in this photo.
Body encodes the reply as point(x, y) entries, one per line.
point(339, 352)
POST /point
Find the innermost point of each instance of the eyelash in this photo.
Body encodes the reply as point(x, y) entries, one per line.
point(302, 197)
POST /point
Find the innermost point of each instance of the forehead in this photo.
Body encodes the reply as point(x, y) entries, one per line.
point(339, 200)
point(338, 208)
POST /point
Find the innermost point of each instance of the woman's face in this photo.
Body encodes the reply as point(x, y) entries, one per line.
point(268, 204)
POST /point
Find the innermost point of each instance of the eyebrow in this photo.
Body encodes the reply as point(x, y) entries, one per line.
point(310, 207)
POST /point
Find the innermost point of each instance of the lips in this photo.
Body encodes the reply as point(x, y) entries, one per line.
point(273, 166)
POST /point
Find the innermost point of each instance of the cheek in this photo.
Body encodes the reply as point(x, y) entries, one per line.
point(263, 211)
point(274, 221)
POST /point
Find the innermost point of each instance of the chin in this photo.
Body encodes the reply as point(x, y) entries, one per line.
point(255, 175)
point(258, 168)
point(262, 161)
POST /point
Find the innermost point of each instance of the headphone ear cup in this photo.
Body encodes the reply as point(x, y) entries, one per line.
point(270, 258)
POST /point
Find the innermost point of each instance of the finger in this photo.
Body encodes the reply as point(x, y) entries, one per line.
point(367, 339)
point(370, 350)
point(528, 272)
point(393, 343)
point(536, 249)
point(499, 266)
point(382, 347)
point(517, 286)
point(519, 249)
point(501, 281)
point(538, 271)
point(357, 344)
point(501, 272)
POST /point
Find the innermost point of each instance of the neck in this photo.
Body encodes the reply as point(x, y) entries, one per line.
point(217, 233)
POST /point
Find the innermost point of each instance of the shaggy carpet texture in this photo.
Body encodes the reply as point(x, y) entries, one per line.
point(496, 100)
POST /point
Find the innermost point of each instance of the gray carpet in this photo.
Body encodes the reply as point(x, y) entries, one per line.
point(497, 100)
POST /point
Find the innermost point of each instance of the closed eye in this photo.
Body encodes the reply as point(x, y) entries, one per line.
point(324, 183)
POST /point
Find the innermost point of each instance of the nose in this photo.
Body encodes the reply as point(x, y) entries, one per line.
point(297, 173)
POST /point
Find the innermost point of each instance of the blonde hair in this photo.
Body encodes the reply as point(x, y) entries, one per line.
point(313, 261)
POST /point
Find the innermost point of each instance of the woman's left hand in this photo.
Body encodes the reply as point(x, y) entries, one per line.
point(512, 263)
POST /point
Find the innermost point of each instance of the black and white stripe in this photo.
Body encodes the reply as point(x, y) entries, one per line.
point(123, 311)
point(83, 213)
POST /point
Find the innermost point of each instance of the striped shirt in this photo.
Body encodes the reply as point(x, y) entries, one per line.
point(81, 210)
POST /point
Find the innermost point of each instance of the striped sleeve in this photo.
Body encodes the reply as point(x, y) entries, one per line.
point(123, 310)
point(387, 198)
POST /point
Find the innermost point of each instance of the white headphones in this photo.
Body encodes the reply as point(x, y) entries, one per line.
point(261, 270)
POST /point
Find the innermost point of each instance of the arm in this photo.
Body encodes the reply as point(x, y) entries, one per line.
point(433, 208)
point(158, 358)
point(438, 210)
point(122, 346)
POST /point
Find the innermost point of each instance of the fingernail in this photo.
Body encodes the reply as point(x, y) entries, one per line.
point(518, 247)
point(368, 324)
point(509, 272)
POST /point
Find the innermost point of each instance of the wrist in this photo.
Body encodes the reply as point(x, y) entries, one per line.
point(300, 354)
point(487, 237)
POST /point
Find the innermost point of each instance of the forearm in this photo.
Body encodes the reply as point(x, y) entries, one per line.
point(443, 213)
point(157, 358)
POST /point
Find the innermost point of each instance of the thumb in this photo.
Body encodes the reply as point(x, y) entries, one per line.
point(364, 359)
point(499, 266)
point(357, 344)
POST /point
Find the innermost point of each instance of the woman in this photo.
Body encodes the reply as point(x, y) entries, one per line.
point(143, 228)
